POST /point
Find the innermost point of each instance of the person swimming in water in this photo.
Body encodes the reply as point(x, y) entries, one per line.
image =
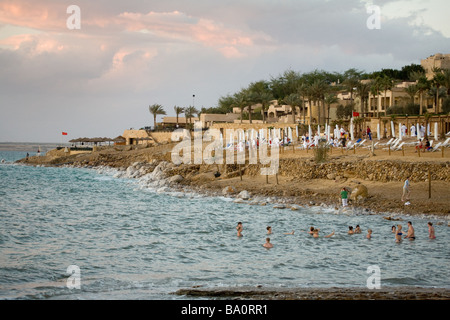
point(350, 230)
point(369, 234)
point(269, 230)
point(268, 244)
point(316, 234)
point(239, 229)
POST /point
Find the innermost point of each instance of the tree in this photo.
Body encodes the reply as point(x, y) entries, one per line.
point(241, 101)
point(375, 91)
point(386, 84)
point(362, 91)
point(412, 91)
point(294, 101)
point(438, 81)
point(330, 98)
point(423, 85)
point(264, 98)
point(178, 111)
point(189, 113)
point(156, 109)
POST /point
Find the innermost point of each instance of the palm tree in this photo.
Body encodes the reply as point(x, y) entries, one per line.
point(375, 91)
point(386, 84)
point(294, 101)
point(363, 90)
point(438, 81)
point(178, 111)
point(446, 80)
point(412, 91)
point(330, 98)
point(189, 112)
point(156, 109)
point(422, 84)
point(318, 90)
point(241, 101)
point(263, 97)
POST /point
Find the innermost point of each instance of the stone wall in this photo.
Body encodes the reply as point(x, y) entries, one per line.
point(383, 171)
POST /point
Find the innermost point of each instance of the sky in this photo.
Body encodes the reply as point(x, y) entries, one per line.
point(98, 78)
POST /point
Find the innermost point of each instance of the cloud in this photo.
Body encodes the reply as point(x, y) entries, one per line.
point(129, 54)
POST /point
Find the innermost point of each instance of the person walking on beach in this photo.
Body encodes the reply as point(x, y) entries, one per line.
point(239, 229)
point(410, 234)
point(369, 133)
point(431, 234)
point(268, 244)
point(406, 191)
point(344, 197)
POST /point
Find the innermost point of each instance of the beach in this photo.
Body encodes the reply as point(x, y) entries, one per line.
point(300, 180)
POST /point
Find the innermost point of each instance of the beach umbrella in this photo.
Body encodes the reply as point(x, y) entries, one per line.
point(400, 131)
point(351, 129)
point(436, 136)
point(378, 131)
point(418, 131)
point(309, 132)
point(392, 129)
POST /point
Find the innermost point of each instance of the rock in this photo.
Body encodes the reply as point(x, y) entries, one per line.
point(244, 195)
point(331, 176)
point(176, 178)
point(279, 206)
point(359, 192)
point(228, 190)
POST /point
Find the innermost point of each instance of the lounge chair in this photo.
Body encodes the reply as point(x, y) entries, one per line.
point(399, 147)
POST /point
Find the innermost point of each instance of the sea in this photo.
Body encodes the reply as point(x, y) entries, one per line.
point(81, 233)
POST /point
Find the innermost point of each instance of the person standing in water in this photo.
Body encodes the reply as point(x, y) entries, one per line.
point(431, 234)
point(239, 229)
point(410, 234)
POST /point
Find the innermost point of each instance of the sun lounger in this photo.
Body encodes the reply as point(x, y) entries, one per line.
point(399, 147)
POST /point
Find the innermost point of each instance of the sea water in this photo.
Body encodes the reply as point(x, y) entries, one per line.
point(129, 242)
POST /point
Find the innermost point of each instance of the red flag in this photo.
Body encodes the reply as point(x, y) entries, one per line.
point(64, 133)
point(356, 114)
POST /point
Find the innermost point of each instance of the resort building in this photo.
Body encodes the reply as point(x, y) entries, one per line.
point(438, 60)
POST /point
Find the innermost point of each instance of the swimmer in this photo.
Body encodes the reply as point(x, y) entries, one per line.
point(269, 230)
point(350, 230)
point(398, 234)
point(357, 229)
point(431, 234)
point(268, 244)
point(316, 234)
point(393, 229)
point(292, 232)
point(239, 229)
point(410, 234)
point(369, 234)
point(311, 230)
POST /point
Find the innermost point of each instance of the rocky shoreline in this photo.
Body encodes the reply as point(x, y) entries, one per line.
point(261, 293)
point(376, 184)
